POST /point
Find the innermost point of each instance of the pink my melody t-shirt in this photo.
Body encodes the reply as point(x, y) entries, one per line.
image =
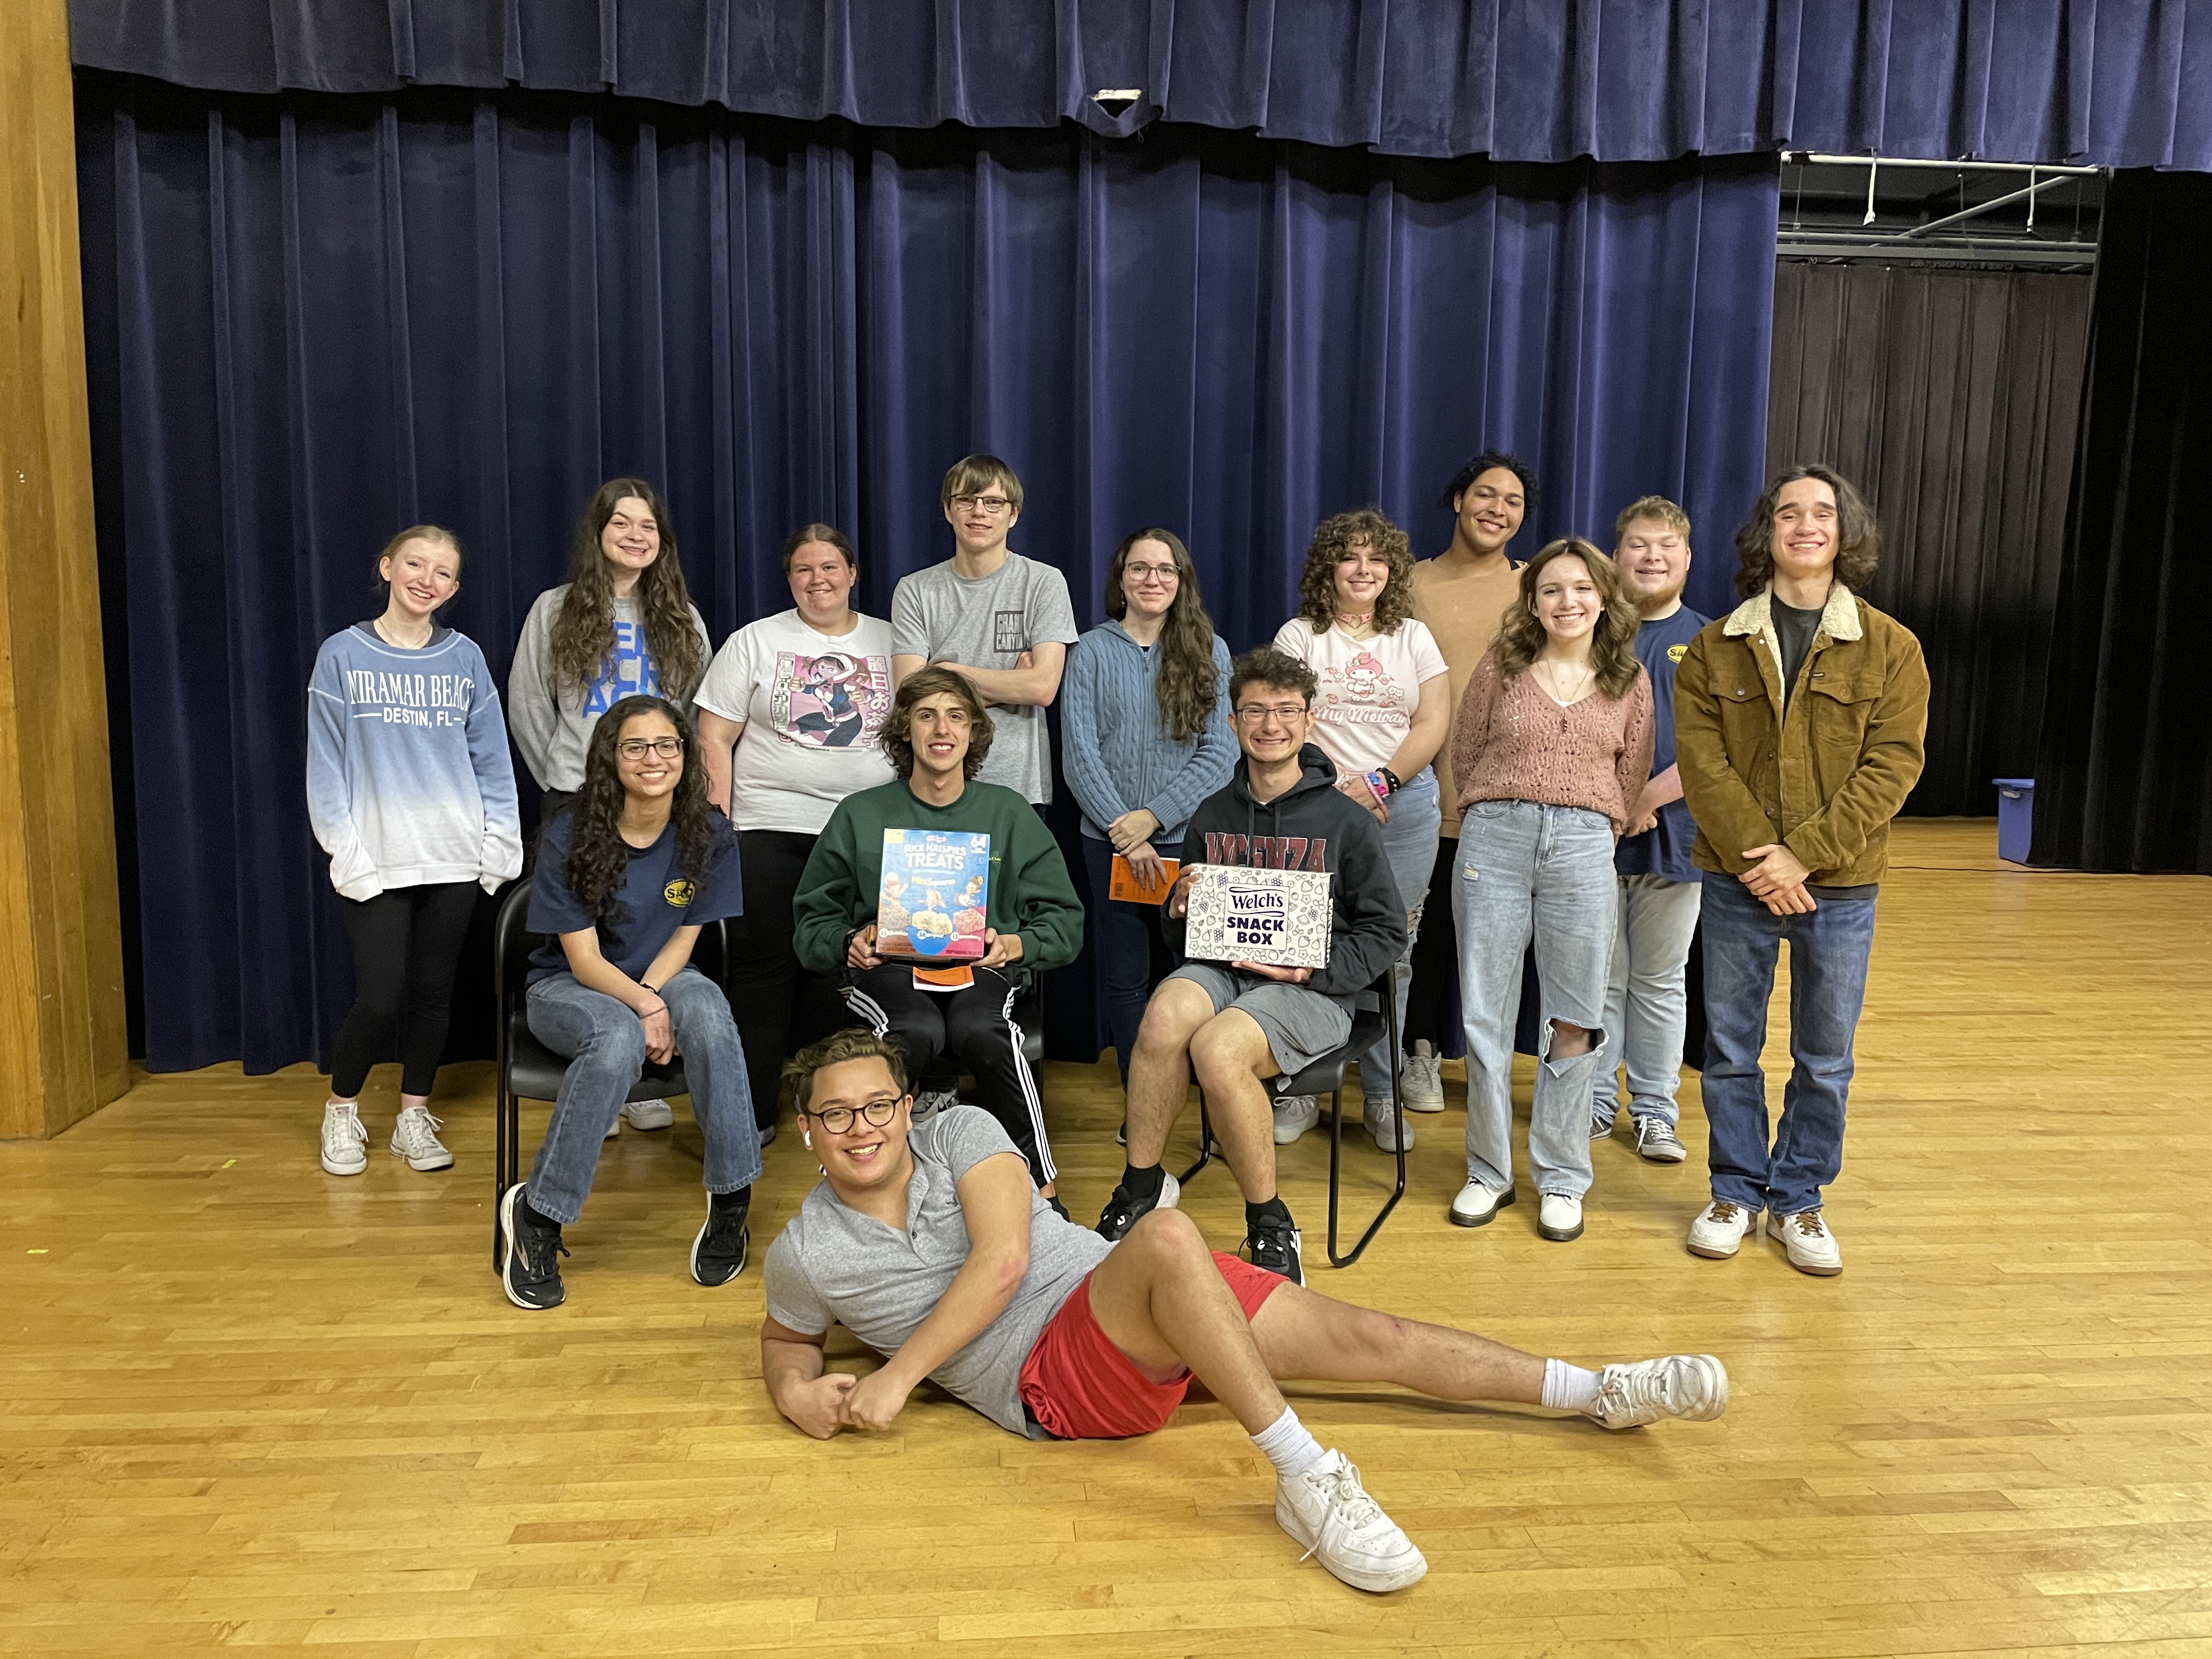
point(1369, 688)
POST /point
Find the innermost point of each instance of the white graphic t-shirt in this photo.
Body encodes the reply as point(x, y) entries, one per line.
point(1369, 688)
point(812, 705)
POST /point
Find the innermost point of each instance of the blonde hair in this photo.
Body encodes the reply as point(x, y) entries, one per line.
point(971, 472)
point(1659, 510)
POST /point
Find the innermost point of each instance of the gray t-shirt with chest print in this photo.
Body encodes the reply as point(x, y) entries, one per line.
point(988, 621)
point(833, 1265)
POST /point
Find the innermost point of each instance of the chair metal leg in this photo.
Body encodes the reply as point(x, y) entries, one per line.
point(503, 1156)
point(1206, 1143)
point(1336, 1142)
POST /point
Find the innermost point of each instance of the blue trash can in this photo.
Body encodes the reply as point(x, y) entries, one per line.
point(2015, 818)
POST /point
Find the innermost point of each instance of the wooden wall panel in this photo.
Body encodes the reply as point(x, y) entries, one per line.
point(64, 1053)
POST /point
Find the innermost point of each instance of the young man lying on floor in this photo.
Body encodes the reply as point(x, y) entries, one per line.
point(931, 1246)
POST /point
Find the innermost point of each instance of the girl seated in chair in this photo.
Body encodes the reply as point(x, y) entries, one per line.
point(624, 881)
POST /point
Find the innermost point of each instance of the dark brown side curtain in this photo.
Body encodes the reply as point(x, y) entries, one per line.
point(1951, 399)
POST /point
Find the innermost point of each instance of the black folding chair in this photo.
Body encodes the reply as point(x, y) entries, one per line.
point(528, 1070)
point(1326, 1076)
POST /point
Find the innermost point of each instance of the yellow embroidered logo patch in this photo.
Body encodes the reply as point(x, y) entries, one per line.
point(680, 892)
point(1676, 652)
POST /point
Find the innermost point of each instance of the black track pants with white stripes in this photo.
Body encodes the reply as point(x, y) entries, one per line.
point(977, 1025)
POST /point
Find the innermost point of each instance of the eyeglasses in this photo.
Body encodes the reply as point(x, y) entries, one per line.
point(838, 1118)
point(1254, 713)
point(633, 748)
point(1163, 573)
point(993, 505)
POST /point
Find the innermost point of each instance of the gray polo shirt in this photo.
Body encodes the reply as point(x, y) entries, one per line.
point(833, 1265)
point(941, 616)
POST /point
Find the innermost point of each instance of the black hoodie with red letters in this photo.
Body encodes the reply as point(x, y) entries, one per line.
point(1309, 826)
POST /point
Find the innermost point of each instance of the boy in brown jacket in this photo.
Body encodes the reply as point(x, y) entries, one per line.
point(1798, 723)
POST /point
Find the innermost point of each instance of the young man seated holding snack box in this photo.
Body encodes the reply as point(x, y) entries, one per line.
point(931, 1246)
point(1239, 1022)
point(911, 981)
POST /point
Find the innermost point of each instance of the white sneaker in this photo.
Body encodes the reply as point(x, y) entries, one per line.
point(648, 1114)
point(935, 1101)
point(613, 1128)
point(1719, 1229)
point(1328, 1510)
point(1421, 1079)
point(1384, 1125)
point(415, 1138)
point(1657, 1143)
point(1811, 1248)
point(1294, 1116)
point(1560, 1216)
point(345, 1143)
point(1691, 1386)
point(1478, 1204)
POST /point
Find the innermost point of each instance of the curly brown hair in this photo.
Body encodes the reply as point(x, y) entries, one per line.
point(854, 1042)
point(1334, 538)
point(1186, 687)
point(896, 743)
point(583, 632)
point(1858, 533)
point(1521, 636)
point(598, 855)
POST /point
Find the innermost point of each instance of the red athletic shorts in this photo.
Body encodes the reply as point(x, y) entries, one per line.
point(1078, 1386)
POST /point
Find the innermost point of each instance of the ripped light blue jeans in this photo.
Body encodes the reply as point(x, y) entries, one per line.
point(1528, 870)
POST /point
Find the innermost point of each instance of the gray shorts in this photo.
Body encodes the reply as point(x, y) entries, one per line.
point(1302, 1026)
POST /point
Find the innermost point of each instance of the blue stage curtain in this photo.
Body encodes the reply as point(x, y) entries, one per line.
point(2116, 83)
point(312, 320)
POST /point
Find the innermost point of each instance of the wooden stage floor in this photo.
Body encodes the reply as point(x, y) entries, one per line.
point(246, 1405)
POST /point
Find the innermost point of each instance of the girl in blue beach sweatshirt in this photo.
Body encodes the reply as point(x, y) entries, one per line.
point(411, 793)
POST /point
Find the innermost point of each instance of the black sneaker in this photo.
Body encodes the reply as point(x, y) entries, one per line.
point(1122, 1210)
point(530, 1253)
point(1273, 1244)
point(718, 1255)
point(1059, 1208)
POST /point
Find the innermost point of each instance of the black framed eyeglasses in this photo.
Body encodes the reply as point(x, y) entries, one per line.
point(633, 749)
point(838, 1118)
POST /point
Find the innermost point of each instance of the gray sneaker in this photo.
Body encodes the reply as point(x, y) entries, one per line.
point(1657, 1142)
point(1294, 1116)
point(1384, 1125)
point(1422, 1079)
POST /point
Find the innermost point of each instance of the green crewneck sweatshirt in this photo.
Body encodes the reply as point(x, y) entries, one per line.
point(1030, 894)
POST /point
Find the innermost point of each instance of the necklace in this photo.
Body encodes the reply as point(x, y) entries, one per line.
point(403, 644)
point(1552, 679)
point(1352, 625)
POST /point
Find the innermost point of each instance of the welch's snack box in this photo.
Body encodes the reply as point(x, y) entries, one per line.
point(1242, 913)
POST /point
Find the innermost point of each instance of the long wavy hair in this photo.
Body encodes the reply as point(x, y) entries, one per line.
point(1332, 541)
point(583, 633)
point(897, 734)
point(598, 854)
point(1521, 636)
point(1185, 686)
point(1858, 533)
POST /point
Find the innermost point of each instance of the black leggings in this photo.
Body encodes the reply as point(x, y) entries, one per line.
point(406, 944)
point(779, 1007)
point(1432, 1008)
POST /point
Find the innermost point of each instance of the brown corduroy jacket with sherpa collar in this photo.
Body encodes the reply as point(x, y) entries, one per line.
point(1825, 777)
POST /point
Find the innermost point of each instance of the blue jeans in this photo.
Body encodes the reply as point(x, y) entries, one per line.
point(1828, 952)
point(1647, 1003)
point(606, 1044)
point(1409, 842)
point(1125, 933)
point(1528, 870)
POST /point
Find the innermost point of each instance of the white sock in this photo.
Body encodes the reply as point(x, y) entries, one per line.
point(1569, 1387)
point(1292, 1450)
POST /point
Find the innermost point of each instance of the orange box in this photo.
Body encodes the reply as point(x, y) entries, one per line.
point(1128, 890)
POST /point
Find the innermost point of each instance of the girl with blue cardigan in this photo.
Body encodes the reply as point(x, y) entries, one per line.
point(411, 793)
point(1145, 737)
